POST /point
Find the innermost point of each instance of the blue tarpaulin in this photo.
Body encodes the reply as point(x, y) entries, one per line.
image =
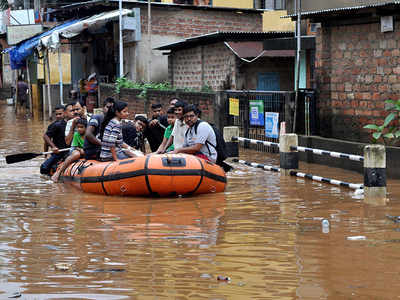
point(20, 52)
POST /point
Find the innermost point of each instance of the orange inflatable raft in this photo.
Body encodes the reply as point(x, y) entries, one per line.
point(155, 175)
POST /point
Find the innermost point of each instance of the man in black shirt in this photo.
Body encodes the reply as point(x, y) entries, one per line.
point(92, 145)
point(55, 138)
point(157, 124)
point(132, 134)
point(59, 113)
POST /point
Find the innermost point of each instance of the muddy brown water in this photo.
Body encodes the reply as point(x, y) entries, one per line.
point(264, 233)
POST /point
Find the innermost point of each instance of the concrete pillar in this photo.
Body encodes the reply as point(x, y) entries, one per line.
point(289, 159)
point(231, 146)
point(375, 174)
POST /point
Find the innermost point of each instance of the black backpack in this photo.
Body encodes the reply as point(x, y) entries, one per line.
point(220, 147)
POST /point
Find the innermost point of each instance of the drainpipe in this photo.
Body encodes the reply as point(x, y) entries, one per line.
point(121, 42)
point(298, 30)
point(149, 37)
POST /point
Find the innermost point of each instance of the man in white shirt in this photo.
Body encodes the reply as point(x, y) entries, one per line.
point(177, 137)
point(200, 139)
point(79, 111)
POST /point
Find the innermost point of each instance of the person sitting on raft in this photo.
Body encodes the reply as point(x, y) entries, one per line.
point(171, 117)
point(132, 134)
point(199, 136)
point(177, 137)
point(112, 145)
point(92, 143)
point(76, 151)
point(55, 138)
point(79, 111)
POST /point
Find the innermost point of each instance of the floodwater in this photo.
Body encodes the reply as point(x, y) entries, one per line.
point(264, 233)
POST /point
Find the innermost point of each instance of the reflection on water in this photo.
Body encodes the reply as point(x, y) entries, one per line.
point(264, 233)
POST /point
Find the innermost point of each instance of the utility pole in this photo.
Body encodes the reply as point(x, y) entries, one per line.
point(149, 41)
point(298, 31)
point(121, 43)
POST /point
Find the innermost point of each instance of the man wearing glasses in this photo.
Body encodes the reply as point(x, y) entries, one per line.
point(200, 139)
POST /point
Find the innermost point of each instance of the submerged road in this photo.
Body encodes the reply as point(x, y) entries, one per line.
point(264, 233)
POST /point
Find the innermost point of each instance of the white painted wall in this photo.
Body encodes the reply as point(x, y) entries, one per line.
point(137, 54)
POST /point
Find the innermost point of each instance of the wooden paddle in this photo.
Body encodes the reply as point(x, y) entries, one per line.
point(14, 158)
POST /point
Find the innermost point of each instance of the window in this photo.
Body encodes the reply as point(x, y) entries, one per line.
point(279, 4)
point(269, 4)
point(260, 4)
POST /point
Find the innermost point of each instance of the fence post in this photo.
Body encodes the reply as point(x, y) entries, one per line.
point(289, 159)
point(232, 147)
point(374, 174)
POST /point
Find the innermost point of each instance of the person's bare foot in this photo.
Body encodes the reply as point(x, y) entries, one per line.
point(55, 177)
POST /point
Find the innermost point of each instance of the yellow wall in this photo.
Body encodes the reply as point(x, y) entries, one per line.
point(234, 3)
point(54, 73)
point(272, 21)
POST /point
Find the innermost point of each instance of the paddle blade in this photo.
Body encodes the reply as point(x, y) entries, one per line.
point(14, 158)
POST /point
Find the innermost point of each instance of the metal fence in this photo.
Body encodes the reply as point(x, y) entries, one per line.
point(273, 101)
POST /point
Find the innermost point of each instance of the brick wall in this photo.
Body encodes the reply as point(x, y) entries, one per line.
point(357, 69)
point(211, 65)
point(186, 22)
point(219, 69)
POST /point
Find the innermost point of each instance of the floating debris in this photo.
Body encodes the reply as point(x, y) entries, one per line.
point(63, 266)
point(15, 295)
point(357, 238)
point(108, 270)
point(223, 278)
point(51, 247)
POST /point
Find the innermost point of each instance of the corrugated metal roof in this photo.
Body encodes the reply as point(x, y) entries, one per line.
point(189, 6)
point(342, 9)
point(253, 49)
point(224, 36)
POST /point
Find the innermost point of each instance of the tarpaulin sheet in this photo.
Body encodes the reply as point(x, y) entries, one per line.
point(20, 52)
point(50, 39)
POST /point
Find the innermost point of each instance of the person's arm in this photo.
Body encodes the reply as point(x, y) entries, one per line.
point(70, 135)
point(113, 153)
point(90, 136)
point(47, 137)
point(162, 146)
point(48, 141)
point(190, 149)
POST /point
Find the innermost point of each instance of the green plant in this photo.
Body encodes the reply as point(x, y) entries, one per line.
point(206, 89)
point(128, 84)
point(3, 4)
point(389, 131)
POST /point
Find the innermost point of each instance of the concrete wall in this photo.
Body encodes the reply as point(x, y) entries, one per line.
point(234, 3)
point(272, 21)
point(176, 23)
point(392, 155)
point(356, 70)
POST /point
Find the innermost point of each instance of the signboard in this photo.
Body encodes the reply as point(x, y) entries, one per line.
point(271, 125)
point(18, 33)
point(257, 112)
point(234, 107)
point(132, 27)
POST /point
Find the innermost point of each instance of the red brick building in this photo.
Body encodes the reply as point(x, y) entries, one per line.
point(173, 22)
point(229, 60)
point(356, 67)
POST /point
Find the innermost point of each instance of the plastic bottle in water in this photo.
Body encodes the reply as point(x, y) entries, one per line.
point(325, 226)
